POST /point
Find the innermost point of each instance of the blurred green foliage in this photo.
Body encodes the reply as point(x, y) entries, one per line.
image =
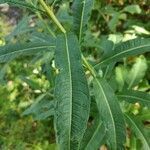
point(23, 80)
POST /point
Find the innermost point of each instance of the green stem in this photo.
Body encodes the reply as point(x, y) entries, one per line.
point(52, 16)
point(40, 17)
point(89, 67)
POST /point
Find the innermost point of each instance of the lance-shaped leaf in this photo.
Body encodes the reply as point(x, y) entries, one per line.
point(125, 49)
point(110, 113)
point(41, 109)
point(71, 93)
point(81, 13)
point(135, 96)
point(21, 3)
point(137, 72)
point(94, 136)
point(144, 116)
point(12, 51)
point(132, 9)
point(3, 71)
point(21, 28)
point(138, 129)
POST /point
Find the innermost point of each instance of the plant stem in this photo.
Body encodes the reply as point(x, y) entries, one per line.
point(40, 17)
point(89, 67)
point(52, 16)
point(56, 21)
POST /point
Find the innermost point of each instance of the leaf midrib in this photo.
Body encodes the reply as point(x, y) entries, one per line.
point(23, 4)
point(99, 125)
point(126, 51)
point(135, 75)
point(26, 49)
point(134, 97)
point(109, 110)
point(81, 23)
point(70, 82)
point(143, 137)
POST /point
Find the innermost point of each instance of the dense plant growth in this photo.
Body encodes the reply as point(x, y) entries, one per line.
point(92, 81)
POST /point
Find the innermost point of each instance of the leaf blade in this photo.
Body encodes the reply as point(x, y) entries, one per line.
point(135, 96)
point(71, 92)
point(15, 50)
point(132, 9)
point(125, 49)
point(111, 114)
point(137, 72)
point(41, 109)
point(21, 3)
point(137, 128)
point(94, 136)
point(81, 12)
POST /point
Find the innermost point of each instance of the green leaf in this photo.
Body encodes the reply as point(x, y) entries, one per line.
point(133, 9)
point(81, 13)
point(64, 16)
point(134, 143)
point(21, 3)
point(94, 136)
point(140, 30)
point(135, 97)
point(41, 37)
point(137, 72)
point(114, 21)
point(31, 83)
point(107, 71)
point(138, 129)
point(106, 46)
point(12, 51)
point(125, 49)
point(48, 69)
point(71, 93)
point(110, 113)
point(3, 71)
point(121, 73)
point(41, 109)
point(145, 116)
point(22, 27)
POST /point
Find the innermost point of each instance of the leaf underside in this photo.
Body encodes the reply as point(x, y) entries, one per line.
point(71, 93)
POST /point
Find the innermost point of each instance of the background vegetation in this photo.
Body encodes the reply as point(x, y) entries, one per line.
point(26, 80)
